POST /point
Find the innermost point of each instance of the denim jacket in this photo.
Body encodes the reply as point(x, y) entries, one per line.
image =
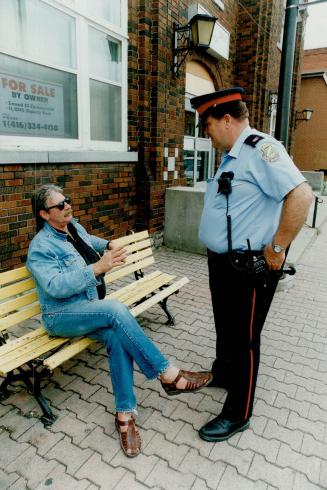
point(61, 274)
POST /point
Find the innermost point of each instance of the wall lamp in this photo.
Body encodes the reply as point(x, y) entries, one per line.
point(305, 115)
point(196, 34)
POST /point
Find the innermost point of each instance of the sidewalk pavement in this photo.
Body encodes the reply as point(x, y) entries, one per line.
point(317, 216)
point(285, 447)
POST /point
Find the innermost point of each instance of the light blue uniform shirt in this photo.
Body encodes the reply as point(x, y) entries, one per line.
point(263, 176)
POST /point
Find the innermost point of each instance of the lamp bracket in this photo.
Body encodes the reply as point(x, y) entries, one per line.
point(182, 46)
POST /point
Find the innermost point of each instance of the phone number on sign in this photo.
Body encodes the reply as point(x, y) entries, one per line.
point(30, 125)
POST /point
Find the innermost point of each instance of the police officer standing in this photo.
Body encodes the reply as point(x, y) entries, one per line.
point(254, 207)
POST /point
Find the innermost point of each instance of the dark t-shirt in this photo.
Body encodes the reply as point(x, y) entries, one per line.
point(88, 253)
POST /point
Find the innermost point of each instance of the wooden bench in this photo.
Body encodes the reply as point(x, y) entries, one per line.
point(32, 357)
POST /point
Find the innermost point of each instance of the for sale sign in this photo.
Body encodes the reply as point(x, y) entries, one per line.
point(31, 107)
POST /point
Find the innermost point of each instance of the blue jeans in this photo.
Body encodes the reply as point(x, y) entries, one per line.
point(111, 323)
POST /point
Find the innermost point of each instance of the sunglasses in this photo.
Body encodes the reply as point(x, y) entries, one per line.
point(61, 204)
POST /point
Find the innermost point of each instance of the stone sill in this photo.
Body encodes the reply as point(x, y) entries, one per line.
point(11, 157)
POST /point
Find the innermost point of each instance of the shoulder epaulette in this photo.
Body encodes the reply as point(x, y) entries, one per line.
point(253, 140)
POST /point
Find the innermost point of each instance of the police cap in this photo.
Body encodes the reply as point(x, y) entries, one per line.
point(204, 102)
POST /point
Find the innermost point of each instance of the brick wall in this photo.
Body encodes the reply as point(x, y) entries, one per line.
point(310, 151)
point(258, 57)
point(310, 148)
point(103, 201)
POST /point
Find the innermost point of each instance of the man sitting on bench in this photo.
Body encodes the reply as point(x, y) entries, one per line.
point(68, 266)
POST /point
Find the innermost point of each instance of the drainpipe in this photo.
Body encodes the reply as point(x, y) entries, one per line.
point(286, 72)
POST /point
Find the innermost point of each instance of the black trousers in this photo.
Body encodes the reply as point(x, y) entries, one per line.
point(240, 309)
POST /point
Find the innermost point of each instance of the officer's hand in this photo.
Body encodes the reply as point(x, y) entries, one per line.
point(274, 260)
point(111, 259)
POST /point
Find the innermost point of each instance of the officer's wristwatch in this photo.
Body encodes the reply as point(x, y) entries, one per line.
point(278, 248)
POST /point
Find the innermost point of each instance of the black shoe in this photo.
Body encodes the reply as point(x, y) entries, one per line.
point(220, 429)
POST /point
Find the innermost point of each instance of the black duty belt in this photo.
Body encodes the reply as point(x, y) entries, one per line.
point(238, 254)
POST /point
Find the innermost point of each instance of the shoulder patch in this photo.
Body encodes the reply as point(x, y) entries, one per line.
point(269, 152)
point(253, 139)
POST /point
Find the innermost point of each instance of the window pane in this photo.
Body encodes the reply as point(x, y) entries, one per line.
point(104, 9)
point(201, 133)
point(202, 166)
point(105, 105)
point(36, 101)
point(189, 123)
point(104, 56)
point(37, 30)
point(189, 166)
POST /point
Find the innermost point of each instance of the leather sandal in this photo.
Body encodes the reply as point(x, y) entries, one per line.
point(195, 381)
point(130, 440)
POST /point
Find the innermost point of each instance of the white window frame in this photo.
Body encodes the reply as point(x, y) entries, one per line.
point(83, 142)
point(220, 4)
point(272, 122)
point(281, 35)
point(196, 143)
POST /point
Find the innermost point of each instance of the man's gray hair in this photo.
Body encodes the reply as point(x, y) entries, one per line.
point(39, 200)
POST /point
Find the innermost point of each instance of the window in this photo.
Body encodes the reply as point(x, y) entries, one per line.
point(63, 74)
point(198, 151)
point(105, 88)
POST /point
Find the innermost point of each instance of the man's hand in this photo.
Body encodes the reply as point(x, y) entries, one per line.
point(111, 259)
point(113, 245)
point(274, 260)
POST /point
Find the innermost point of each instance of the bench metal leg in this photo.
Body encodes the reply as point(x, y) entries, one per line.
point(171, 319)
point(32, 380)
point(4, 392)
point(48, 418)
point(3, 338)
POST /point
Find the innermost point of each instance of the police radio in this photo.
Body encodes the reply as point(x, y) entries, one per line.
point(225, 183)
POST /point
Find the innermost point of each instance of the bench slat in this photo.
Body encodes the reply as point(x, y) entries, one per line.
point(132, 296)
point(137, 310)
point(25, 344)
point(164, 280)
point(14, 275)
point(67, 352)
point(19, 287)
point(137, 256)
point(138, 246)
point(28, 337)
point(117, 274)
point(14, 318)
point(134, 237)
point(28, 354)
point(19, 302)
point(132, 286)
